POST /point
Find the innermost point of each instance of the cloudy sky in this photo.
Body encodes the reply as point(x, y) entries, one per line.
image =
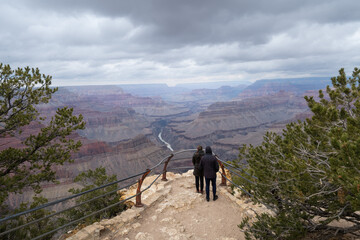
point(82, 42)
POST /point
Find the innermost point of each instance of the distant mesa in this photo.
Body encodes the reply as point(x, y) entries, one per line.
point(295, 85)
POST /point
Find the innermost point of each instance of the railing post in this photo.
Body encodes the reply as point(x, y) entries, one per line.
point(165, 166)
point(138, 192)
point(223, 179)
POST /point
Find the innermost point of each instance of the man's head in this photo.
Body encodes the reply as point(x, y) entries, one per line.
point(208, 150)
point(199, 148)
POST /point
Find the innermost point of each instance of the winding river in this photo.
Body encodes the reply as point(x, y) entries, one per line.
point(166, 143)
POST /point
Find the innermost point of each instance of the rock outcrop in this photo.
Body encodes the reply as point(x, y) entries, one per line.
point(173, 210)
point(123, 159)
point(296, 86)
point(229, 116)
point(228, 125)
point(117, 125)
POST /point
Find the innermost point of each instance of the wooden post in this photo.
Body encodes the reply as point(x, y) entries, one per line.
point(138, 196)
point(223, 179)
point(165, 166)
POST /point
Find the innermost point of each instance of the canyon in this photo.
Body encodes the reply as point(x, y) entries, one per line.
point(130, 128)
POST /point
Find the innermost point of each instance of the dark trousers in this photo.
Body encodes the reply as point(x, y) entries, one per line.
point(201, 180)
point(213, 183)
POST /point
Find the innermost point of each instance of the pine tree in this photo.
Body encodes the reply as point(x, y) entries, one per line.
point(31, 164)
point(310, 174)
point(92, 179)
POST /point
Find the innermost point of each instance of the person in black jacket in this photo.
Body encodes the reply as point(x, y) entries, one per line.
point(199, 176)
point(210, 166)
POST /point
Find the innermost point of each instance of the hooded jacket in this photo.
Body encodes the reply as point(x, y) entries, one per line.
point(209, 164)
point(196, 162)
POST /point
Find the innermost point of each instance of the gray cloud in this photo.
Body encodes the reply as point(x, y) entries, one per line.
point(96, 42)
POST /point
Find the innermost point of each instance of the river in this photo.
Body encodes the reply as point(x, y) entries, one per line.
point(166, 143)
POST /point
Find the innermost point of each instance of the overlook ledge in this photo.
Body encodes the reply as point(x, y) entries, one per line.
point(173, 210)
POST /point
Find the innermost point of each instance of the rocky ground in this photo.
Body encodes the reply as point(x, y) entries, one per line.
point(185, 214)
point(173, 210)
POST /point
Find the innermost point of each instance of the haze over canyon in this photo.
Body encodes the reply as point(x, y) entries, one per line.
point(132, 127)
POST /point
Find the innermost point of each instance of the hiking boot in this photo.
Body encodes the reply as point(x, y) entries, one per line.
point(216, 197)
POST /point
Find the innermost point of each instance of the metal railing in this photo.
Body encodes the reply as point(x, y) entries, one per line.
point(138, 203)
point(223, 165)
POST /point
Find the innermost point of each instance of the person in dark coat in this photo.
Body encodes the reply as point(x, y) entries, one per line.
point(210, 167)
point(199, 176)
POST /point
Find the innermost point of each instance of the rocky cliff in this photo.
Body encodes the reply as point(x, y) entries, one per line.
point(228, 125)
point(173, 210)
point(123, 159)
point(109, 98)
point(119, 124)
point(205, 96)
point(297, 86)
point(122, 128)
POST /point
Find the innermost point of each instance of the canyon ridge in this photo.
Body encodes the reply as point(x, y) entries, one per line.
point(132, 127)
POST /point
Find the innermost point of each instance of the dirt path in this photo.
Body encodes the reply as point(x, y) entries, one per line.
point(174, 211)
point(185, 214)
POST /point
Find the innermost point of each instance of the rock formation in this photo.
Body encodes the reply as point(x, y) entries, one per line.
point(228, 125)
point(122, 129)
point(297, 86)
point(173, 210)
point(124, 158)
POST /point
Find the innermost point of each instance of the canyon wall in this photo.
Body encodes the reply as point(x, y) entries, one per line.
point(228, 125)
point(122, 129)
